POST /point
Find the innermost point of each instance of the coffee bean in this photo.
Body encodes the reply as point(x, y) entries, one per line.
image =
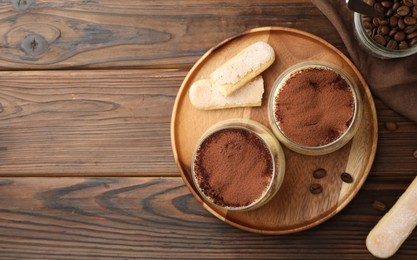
point(390, 12)
point(402, 10)
point(415, 154)
point(414, 12)
point(408, 3)
point(366, 18)
point(412, 35)
point(403, 45)
point(401, 24)
point(393, 21)
point(392, 44)
point(384, 22)
point(379, 8)
point(390, 126)
point(375, 21)
point(410, 20)
point(316, 188)
point(386, 4)
point(399, 36)
point(379, 205)
point(414, 2)
point(346, 177)
point(413, 42)
point(319, 173)
point(367, 25)
point(396, 5)
point(380, 39)
point(410, 29)
point(370, 2)
point(393, 31)
point(373, 33)
point(384, 30)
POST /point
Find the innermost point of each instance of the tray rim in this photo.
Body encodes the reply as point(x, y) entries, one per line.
point(339, 206)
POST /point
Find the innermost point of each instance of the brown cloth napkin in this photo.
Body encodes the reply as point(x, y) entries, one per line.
point(394, 81)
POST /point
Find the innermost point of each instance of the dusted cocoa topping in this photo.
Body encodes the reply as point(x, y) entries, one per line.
point(314, 107)
point(233, 167)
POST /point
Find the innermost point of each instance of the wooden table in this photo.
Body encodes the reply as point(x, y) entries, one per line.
point(86, 166)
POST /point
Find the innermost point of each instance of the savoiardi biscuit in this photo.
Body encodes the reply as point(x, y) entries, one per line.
point(205, 95)
point(243, 67)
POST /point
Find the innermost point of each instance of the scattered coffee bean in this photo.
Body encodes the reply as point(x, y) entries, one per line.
point(319, 173)
point(390, 126)
point(379, 205)
point(346, 177)
point(316, 188)
point(415, 154)
point(403, 10)
point(398, 28)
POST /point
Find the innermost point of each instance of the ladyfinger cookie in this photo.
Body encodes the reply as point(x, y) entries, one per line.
point(392, 230)
point(243, 67)
point(205, 95)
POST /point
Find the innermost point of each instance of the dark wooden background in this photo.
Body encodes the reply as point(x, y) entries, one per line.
point(86, 167)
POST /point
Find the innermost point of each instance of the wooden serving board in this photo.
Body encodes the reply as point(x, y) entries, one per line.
point(294, 208)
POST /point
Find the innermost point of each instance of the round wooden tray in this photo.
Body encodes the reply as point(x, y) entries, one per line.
point(294, 208)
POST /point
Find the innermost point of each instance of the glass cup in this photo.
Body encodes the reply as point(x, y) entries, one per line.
point(374, 48)
point(274, 150)
point(321, 149)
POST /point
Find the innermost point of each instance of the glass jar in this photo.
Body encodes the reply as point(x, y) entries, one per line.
point(274, 151)
point(375, 49)
point(340, 141)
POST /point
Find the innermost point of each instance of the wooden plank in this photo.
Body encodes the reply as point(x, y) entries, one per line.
point(123, 218)
point(106, 34)
point(117, 123)
point(70, 123)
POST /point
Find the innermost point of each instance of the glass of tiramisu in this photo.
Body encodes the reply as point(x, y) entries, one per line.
point(314, 108)
point(238, 164)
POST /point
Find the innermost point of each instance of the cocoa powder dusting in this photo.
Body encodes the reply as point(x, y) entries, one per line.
point(233, 167)
point(314, 107)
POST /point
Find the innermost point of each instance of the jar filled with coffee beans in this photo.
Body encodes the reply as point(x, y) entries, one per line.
point(392, 36)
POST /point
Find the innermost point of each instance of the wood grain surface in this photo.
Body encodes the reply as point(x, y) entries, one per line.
point(89, 123)
point(69, 138)
point(40, 34)
point(130, 218)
